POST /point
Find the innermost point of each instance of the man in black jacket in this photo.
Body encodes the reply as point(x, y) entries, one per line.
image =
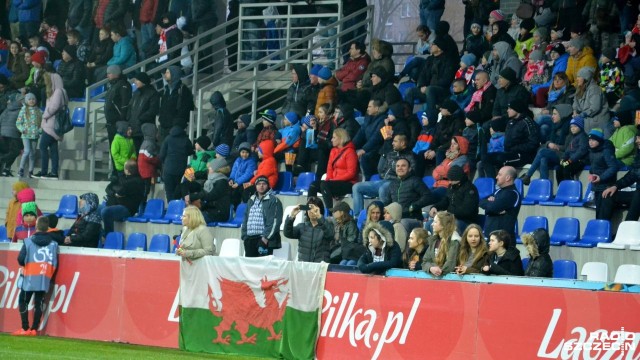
point(79, 18)
point(509, 90)
point(124, 196)
point(501, 209)
point(143, 107)
point(299, 98)
point(116, 101)
point(615, 196)
point(176, 102)
point(411, 193)
point(461, 199)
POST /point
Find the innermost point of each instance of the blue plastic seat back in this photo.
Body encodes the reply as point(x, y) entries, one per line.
point(114, 241)
point(3, 233)
point(566, 229)
point(539, 190)
point(429, 181)
point(525, 263)
point(597, 231)
point(304, 181)
point(519, 186)
point(569, 191)
point(78, 117)
point(362, 217)
point(137, 242)
point(159, 243)
point(68, 206)
point(154, 209)
point(174, 210)
point(404, 88)
point(97, 91)
point(531, 223)
point(285, 181)
point(239, 216)
point(565, 269)
point(375, 177)
point(485, 186)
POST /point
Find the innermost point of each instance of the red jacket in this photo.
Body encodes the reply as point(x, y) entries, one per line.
point(148, 166)
point(343, 164)
point(352, 72)
point(268, 166)
point(441, 171)
point(148, 10)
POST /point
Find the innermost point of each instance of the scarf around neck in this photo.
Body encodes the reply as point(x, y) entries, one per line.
point(477, 97)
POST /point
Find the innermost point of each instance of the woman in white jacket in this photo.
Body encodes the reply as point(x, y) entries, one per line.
point(56, 100)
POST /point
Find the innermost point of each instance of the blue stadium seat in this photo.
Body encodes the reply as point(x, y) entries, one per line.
point(583, 198)
point(68, 207)
point(285, 182)
point(175, 243)
point(595, 232)
point(519, 186)
point(97, 91)
point(429, 181)
point(485, 186)
point(565, 269)
point(174, 213)
point(78, 117)
point(566, 229)
point(304, 181)
point(3, 234)
point(114, 241)
point(362, 217)
point(405, 87)
point(375, 177)
point(236, 222)
point(569, 191)
point(137, 242)
point(159, 243)
point(525, 263)
point(153, 210)
point(539, 190)
point(531, 223)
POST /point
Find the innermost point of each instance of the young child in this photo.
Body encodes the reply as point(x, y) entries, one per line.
point(122, 148)
point(56, 234)
point(461, 93)
point(467, 68)
point(524, 42)
point(611, 76)
point(576, 150)
point(475, 43)
point(39, 259)
point(242, 172)
point(269, 130)
point(423, 143)
point(203, 156)
point(623, 138)
point(485, 62)
point(28, 226)
point(268, 167)
point(310, 124)
point(556, 37)
point(28, 123)
point(148, 160)
point(13, 208)
point(24, 196)
point(290, 133)
point(604, 167)
point(541, 41)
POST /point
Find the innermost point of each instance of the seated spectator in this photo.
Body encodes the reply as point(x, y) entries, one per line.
point(202, 157)
point(124, 196)
point(261, 222)
point(541, 42)
point(148, 160)
point(461, 94)
point(348, 248)
point(82, 51)
point(393, 214)
point(215, 197)
point(308, 149)
point(344, 118)
point(241, 173)
point(451, 124)
point(222, 156)
point(328, 93)
point(196, 241)
point(508, 91)
point(482, 99)
point(537, 245)
point(473, 253)
point(502, 207)
point(174, 152)
point(100, 53)
point(220, 124)
point(124, 53)
point(590, 102)
point(269, 130)
point(560, 93)
point(558, 64)
point(414, 64)
point(475, 136)
point(504, 259)
point(72, 72)
point(456, 155)
point(13, 208)
point(409, 191)
point(580, 56)
point(354, 68)
point(395, 124)
point(381, 52)
point(524, 42)
point(342, 169)
point(536, 71)
point(461, 199)
point(289, 135)
point(611, 76)
point(122, 149)
point(623, 138)
point(28, 225)
point(382, 88)
point(85, 231)
point(576, 152)
point(314, 235)
point(268, 167)
point(299, 98)
point(475, 43)
point(442, 255)
point(503, 57)
point(412, 257)
point(368, 139)
point(375, 212)
point(10, 134)
point(423, 143)
point(604, 167)
point(467, 69)
point(382, 252)
point(622, 193)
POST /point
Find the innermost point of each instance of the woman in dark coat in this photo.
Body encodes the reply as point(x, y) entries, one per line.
point(85, 231)
point(540, 263)
point(174, 152)
point(503, 260)
point(314, 235)
point(382, 253)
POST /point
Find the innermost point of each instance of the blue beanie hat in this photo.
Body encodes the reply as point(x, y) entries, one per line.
point(315, 70)
point(468, 59)
point(578, 121)
point(223, 150)
point(307, 120)
point(422, 115)
point(268, 115)
point(292, 117)
point(596, 134)
point(324, 73)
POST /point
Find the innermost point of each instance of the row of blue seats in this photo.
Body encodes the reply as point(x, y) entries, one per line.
point(566, 231)
point(160, 243)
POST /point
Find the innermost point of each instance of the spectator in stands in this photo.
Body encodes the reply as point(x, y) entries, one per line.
point(369, 139)
point(10, 134)
point(202, 157)
point(460, 93)
point(551, 151)
point(611, 76)
point(414, 64)
point(455, 155)
point(423, 144)
point(475, 43)
point(590, 102)
point(315, 84)
point(145, 16)
point(482, 99)
point(269, 130)
point(536, 71)
point(124, 196)
point(176, 102)
point(604, 167)
point(537, 245)
point(75, 39)
point(623, 138)
point(241, 173)
point(188, 185)
point(393, 214)
point(299, 99)
point(260, 230)
point(381, 52)
point(124, 52)
point(117, 99)
point(382, 88)
point(622, 193)
point(215, 196)
point(375, 212)
point(503, 57)
point(354, 68)
point(411, 192)
point(35, 82)
point(395, 124)
point(148, 160)
point(174, 152)
point(241, 134)
point(314, 235)
point(328, 93)
point(101, 52)
point(122, 148)
point(473, 254)
point(17, 66)
point(495, 145)
point(169, 37)
point(451, 124)
point(289, 139)
point(72, 72)
point(202, 18)
point(28, 124)
point(14, 206)
point(79, 18)
point(346, 248)
point(473, 133)
point(382, 252)
point(268, 168)
point(561, 92)
point(28, 225)
point(430, 12)
point(342, 169)
point(56, 99)
point(504, 257)
point(449, 45)
point(412, 257)
point(508, 90)
point(443, 246)
point(524, 42)
point(502, 207)
point(85, 231)
point(196, 241)
point(558, 65)
point(576, 150)
point(54, 37)
point(23, 196)
point(143, 107)
point(499, 33)
point(580, 56)
point(29, 15)
point(308, 149)
point(461, 199)
point(220, 123)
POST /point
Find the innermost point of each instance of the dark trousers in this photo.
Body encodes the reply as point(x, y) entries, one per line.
point(48, 146)
point(569, 172)
point(23, 304)
point(171, 183)
point(11, 150)
point(494, 161)
point(254, 247)
point(334, 188)
point(629, 199)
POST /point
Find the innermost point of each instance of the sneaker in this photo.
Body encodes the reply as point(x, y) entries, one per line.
point(32, 332)
point(7, 173)
point(21, 332)
point(37, 175)
point(21, 173)
point(50, 176)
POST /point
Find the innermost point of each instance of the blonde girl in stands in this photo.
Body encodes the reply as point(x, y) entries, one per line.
point(442, 256)
point(474, 253)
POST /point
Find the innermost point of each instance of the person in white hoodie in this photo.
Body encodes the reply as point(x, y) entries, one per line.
point(56, 100)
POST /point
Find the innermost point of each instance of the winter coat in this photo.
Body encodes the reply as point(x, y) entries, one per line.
point(560, 130)
point(576, 147)
point(385, 91)
point(272, 217)
point(390, 258)
point(23, 196)
point(197, 243)
point(399, 231)
point(523, 47)
point(623, 140)
point(143, 109)
point(73, 77)
point(216, 195)
point(268, 166)
point(448, 127)
point(242, 170)
point(28, 10)
point(559, 65)
point(79, 14)
point(101, 52)
point(299, 98)
point(632, 175)
point(451, 260)
point(148, 160)
point(313, 241)
point(328, 94)
point(496, 143)
point(19, 69)
point(502, 212)
point(130, 192)
point(385, 61)
point(440, 172)
point(540, 263)
point(220, 122)
point(485, 107)
point(412, 194)
point(174, 152)
point(176, 102)
point(509, 264)
point(506, 95)
point(343, 164)
point(115, 12)
point(116, 101)
point(54, 103)
point(203, 14)
point(124, 53)
point(584, 58)
point(462, 200)
point(476, 45)
point(437, 71)
point(348, 238)
point(566, 97)
point(506, 58)
point(603, 163)
point(387, 163)
point(368, 137)
point(522, 137)
point(9, 117)
point(352, 72)
point(289, 136)
point(122, 149)
point(199, 162)
point(85, 231)
point(593, 107)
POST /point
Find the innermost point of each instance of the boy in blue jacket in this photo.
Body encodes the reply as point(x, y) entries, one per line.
point(242, 172)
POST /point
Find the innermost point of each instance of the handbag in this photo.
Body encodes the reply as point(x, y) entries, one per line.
point(63, 121)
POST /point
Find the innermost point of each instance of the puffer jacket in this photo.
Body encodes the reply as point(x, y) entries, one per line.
point(385, 61)
point(540, 263)
point(29, 124)
point(124, 53)
point(440, 172)
point(462, 200)
point(387, 163)
point(522, 136)
point(632, 175)
point(268, 166)
point(143, 108)
point(328, 94)
point(54, 103)
point(343, 164)
point(576, 147)
point(506, 95)
point(85, 231)
point(72, 73)
point(220, 122)
point(299, 98)
point(368, 138)
point(313, 241)
point(584, 58)
point(412, 194)
point(216, 197)
point(9, 117)
point(391, 256)
point(437, 71)
point(352, 72)
point(28, 10)
point(385, 91)
point(509, 264)
point(122, 148)
point(174, 152)
point(451, 260)
point(623, 140)
point(148, 160)
point(242, 170)
point(603, 163)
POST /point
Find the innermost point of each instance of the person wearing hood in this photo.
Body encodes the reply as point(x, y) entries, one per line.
point(10, 133)
point(169, 36)
point(242, 132)
point(500, 33)
point(174, 152)
point(604, 167)
point(56, 100)
point(36, 283)
point(220, 123)
point(289, 137)
point(590, 102)
point(382, 88)
point(13, 208)
point(524, 43)
point(614, 196)
point(344, 118)
point(215, 196)
point(455, 155)
point(241, 172)
point(148, 160)
point(504, 257)
point(202, 157)
point(537, 245)
point(314, 235)
point(122, 148)
point(85, 231)
point(328, 93)
point(393, 214)
point(124, 53)
point(260, 229)
point(299, 98)
point(551, 151)
point(382, 252)
point(442, 255)
point(128, 192)
point(143, 107)
point(623, 138)
point(342, 169)
point(116, 101)
point(28, 225)
point(72, 72)
point(381, 52)
point(503, 57)
point(268, 168)
point(461, 199)
point(176, 102)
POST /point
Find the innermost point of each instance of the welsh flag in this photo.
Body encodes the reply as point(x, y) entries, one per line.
point(251, 306)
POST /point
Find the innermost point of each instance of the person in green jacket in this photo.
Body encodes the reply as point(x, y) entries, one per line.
point(623, 138)
point(122, 148)
point(202, 157)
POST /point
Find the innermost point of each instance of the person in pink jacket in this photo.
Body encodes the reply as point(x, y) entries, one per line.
point(56, 99)
point(456, 155)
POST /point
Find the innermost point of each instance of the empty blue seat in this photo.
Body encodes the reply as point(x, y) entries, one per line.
point(569, 191)
point(595, 232)
point(97, 91)
point(174, 213)
point(114, 241)
point(153, 210)
point(539, 190)
point(519, 186)
point(236, 222)
point(566, 229)
point(159, 243)
point(137, 242)
point(3, 234)
point(285, 181)
point(362, 217)
point(304, 181)
point(68, 207)
point(531, 223)
point(485, 186)
point(565, 269)
point(429, 181)
point(405, 87)
point(583, 199)
point(78, 119)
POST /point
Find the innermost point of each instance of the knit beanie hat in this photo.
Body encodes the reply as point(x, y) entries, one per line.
point(518, 105)
point(577, 121)
point(114, 70)
point(586, 73)
point(29, 208)
point(262, 178)
point(468, 59)
point(39, 57)
point(609, 53)
point(223, 150)
point(244, 146)
point(498, 15)
point(559, 48)
point(596, 134)
point(203, 141)
point(269, 116)
point(315, 70)
point(499, 125)
point(528, 24)
point(577, 43)
point(71, 50)
point(450, 106)
point(455, 173)
point(474, 116)
point(292, 117)
point(307, 120)
point(324, 73)
point(536, 55)
point(508, 74)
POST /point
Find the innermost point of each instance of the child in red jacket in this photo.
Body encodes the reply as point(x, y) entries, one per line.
point(148, 160)
point(267, 167)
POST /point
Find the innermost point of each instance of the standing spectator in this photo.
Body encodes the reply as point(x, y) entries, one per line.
point(504, 257)
point(604, 167)
point(169, 36)
point(17, 65)
point(56, 100)
point(143, 107)
point(175, 150)
point(146, 13)
point(299, 99)
point(314, 235)
point(53, 37)
point(540, 263)
point(381, 52)
point(502, 207)
point(148, 160)
point(430, 12)
point(29, 16)
point(196, 241)
point(13, 207)
point(441, 257)
point(590, 102)
point(11, 135)
point(203, 17)
point(79, 18)
point(124, 196)
point(85, 231)
point(473, 253)
point(122, 149)
point(354, 68)
point(368, 139)
point(382, 252)
point(260, 230)
point(269, 131)
point(27, 227)
point(611, 76)
point(116, 101)
point(124, 52)
point(72, 72)
point(100, 53)
point(220, 123)
point(114, 13)
point(176, 102)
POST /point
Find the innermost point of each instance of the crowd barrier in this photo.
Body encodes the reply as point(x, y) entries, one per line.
point(133, 298)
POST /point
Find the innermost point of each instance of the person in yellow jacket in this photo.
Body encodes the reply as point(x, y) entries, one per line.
point(122, 148)
point(580, 56)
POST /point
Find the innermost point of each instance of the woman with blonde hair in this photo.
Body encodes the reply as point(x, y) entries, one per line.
point(56, 100)
point(473, 251)
point(196, 240)
point(444, 244)
point(417, 247)
point(342, 168)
